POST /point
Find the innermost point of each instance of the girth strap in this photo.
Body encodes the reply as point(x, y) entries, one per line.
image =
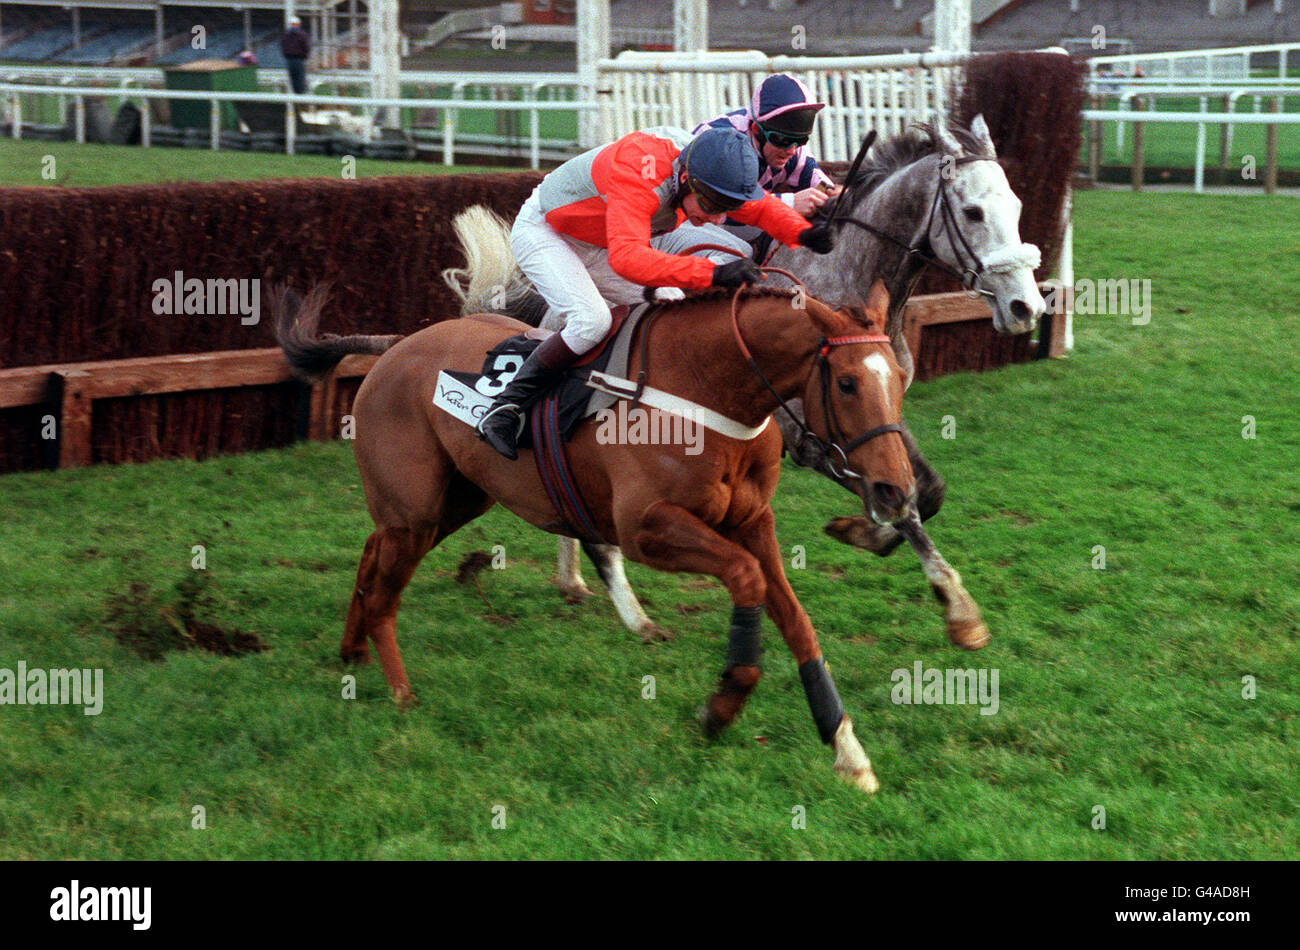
point(556, 474)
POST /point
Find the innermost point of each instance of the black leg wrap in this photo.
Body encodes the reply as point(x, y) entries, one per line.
point(823, 698)
point(745, 647)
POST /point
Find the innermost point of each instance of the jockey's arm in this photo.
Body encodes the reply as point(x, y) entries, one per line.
point(630, 204)
point(775, 217)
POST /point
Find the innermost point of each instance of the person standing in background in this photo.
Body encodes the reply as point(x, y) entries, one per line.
point(296, 45)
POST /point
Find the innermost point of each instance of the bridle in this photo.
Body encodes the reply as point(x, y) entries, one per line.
point(821, 364)
point(969, 274)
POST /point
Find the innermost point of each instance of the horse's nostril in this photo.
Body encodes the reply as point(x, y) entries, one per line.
point(1020, 310)
point(887, 494)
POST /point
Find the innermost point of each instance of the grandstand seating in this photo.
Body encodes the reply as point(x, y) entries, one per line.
point(268, 52)
point(36, 34)
point(108, 46)
point(1149, 24)
point(40, 45)
point(222, 42)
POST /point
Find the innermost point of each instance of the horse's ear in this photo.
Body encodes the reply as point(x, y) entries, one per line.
point(878, 303)
point(980, 129)
point(947, 140)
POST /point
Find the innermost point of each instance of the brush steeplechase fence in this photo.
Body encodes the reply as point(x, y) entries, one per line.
point(90, 372)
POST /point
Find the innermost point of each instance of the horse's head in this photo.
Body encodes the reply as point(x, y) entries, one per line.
point(854, 401)
point(974, 228)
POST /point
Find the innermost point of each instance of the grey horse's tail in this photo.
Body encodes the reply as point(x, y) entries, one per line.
point(311, 357)
point(491, 281)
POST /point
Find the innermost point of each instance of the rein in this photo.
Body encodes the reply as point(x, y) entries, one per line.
point(968, 276)
point(820, 364)
point(1006, 257)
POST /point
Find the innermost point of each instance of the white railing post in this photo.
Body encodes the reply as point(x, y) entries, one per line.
point(534, 142)
point(18, 116)
point(1200, 150)
point(146, 124)
point(449, 126)
point(214, 126)
point(79, 118)
point(593, 46)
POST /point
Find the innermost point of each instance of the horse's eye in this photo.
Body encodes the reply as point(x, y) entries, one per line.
point(974, 213)
point(848, 385)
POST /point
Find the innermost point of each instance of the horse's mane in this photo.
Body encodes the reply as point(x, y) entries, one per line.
point(855, 316)
point(715, 293)
point(918, 141)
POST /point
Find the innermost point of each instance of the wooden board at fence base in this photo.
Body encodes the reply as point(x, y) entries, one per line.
point(932, 309)
point(71, 389)
point(74, 387)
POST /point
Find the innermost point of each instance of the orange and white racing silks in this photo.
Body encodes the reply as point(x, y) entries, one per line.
point(606, 224)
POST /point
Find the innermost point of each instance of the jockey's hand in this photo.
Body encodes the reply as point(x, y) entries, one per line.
point(817, 239)
point(806, 202)
point(736, 273)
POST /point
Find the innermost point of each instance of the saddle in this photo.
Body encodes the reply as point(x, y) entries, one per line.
point(468, 395)
point(593, 384)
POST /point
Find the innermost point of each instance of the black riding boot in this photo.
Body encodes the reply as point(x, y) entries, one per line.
point(504, 421)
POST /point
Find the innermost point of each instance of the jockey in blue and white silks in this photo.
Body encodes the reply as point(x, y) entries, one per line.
point(778, 124)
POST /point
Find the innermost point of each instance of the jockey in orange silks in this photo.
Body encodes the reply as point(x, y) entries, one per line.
point(602, 228)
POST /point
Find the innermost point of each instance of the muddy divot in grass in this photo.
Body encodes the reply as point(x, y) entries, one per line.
point(153, 624)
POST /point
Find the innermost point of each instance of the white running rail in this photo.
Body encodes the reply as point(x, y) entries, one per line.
point(886, 93)
point(1229, 62)
point(12, 95)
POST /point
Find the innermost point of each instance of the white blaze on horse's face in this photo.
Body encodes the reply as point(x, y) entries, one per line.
point(987, 212)
point(880, 366)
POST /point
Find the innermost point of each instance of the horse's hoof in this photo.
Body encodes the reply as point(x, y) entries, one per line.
point(651, 632)
point(711, 723)
point(858, 532)
point(576, 594)
point(968, 634)
point(404, 698)
point(864, 779)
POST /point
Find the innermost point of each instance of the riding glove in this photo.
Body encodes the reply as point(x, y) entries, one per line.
point(736, 273)
point(817, 239)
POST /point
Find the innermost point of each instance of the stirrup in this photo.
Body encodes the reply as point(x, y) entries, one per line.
point(504, 443)
point(501, 408)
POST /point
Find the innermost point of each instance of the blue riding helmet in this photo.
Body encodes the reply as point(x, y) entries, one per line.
point(723, 161)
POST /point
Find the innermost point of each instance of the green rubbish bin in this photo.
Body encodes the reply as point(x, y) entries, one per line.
point(208, 75)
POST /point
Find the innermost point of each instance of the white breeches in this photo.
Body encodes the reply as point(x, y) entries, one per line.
point(576, 280)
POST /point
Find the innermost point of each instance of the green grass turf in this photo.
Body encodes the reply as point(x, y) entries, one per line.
point(22, 163)
point(1119, 687)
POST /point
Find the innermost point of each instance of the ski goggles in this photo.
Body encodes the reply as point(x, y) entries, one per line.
point(780, 139)
point(710, 201)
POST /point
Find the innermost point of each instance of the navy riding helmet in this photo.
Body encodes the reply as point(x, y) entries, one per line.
point(721, 165)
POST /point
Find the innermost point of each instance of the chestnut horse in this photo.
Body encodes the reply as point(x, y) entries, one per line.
point(426, 474)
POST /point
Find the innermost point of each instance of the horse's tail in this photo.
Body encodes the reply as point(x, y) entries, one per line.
point(311, 357)
point(490, 281)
